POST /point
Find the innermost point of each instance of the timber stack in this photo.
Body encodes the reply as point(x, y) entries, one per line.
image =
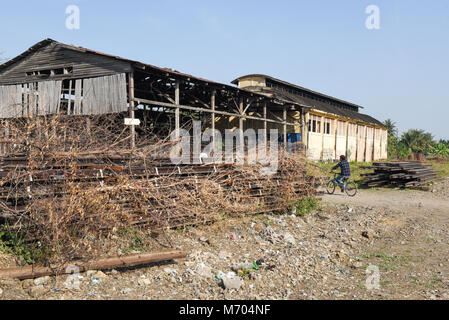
point(149, 191)
point(398, 174)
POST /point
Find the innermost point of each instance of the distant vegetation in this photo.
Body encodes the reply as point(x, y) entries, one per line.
point(414, 141)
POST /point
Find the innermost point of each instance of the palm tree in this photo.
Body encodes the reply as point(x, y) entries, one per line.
point(391, 127)
point(392, 147)
point(418, 141)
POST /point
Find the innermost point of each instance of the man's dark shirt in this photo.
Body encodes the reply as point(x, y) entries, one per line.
point(345, 169)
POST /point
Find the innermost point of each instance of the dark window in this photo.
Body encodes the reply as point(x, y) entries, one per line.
point(50, 72)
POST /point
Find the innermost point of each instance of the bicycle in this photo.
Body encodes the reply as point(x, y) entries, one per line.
point(348, 186)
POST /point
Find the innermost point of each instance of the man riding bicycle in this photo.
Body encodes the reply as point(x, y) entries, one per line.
point(345, 172)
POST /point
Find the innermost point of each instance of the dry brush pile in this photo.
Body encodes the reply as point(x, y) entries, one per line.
point(67, 182)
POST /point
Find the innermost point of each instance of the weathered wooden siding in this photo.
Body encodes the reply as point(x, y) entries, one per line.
point(10, 101)
point(55, 56)
point(361, 143)
point(101, 95)
point(377, 144)
point(369, 144)
point(352, 142)
point(104, 95)
point(384, 145)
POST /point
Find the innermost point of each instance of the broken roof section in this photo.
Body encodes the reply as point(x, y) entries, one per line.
point(136, 64)
point(261, 92)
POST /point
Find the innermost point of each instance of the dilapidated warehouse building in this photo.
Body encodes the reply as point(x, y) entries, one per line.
point(333, 127)
point(56, 78)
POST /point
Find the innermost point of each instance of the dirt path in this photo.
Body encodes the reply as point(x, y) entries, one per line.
point(413, 243)
point(410, 201)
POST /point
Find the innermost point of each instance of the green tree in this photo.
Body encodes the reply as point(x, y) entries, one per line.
point(440, 150)
point(392, 147)
point(418, 141)
point(391, 127)
point(393, 140)
point(402, 151)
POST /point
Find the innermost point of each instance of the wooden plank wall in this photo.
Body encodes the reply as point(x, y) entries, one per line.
point(10, 101)
point(93, 96)
point(105, 95)
point(49, 97)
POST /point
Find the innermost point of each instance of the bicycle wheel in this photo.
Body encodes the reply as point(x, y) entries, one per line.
point(351, 189)
point(331, 185)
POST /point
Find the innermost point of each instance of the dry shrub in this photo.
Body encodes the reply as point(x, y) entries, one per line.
point(69, 182)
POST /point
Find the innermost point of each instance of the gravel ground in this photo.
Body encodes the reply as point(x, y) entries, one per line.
point(441, 188)
point(324, 255)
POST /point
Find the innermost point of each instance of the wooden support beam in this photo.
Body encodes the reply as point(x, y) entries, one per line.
point(347, 140)
point(31, 272)
point(241, 127)
point(335, 122)
point(224, 113)
point(357, 143)
point(280, 120)
point(212, 103)
point(131, 109)
point(322, 137)
point(248, 106)
point(284, 118)
point(307, 139)
point(177, 110)
point(265, 124)
point(69, 103)
point(302, 121)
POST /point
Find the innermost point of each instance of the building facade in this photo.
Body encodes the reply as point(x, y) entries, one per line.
point(331, 127)
point(56, 78)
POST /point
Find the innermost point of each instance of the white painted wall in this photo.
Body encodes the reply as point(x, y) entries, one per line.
point(341, 145)
point(315, 146)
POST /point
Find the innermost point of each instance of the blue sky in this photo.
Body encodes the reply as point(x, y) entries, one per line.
point(400, 71)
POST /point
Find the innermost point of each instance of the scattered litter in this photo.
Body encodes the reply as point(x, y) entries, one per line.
point(232, 282)
point(171, 271)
